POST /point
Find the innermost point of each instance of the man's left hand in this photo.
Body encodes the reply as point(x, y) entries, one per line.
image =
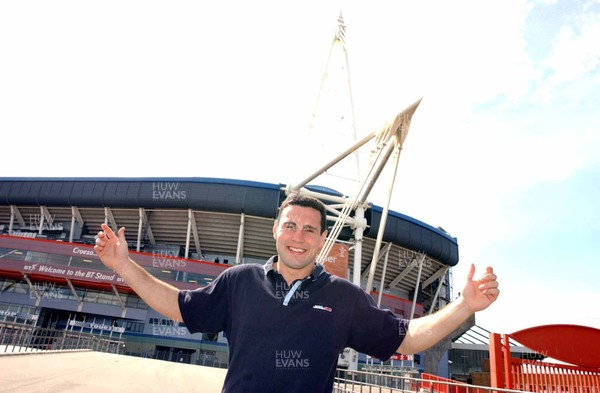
point(479, 294)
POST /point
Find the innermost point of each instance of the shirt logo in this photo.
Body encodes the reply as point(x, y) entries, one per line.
point(324, 308)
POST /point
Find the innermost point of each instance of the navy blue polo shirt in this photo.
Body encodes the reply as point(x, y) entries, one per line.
point(287, 338)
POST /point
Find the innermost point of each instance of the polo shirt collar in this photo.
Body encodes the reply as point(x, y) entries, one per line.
point(270, 267)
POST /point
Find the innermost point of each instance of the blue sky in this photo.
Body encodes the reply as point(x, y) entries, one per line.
point(503, 151)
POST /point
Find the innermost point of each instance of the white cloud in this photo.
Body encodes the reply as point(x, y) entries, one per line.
point(576, 50)
point(575, 53)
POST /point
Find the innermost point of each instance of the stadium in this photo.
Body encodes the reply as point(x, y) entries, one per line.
point(185, 231)
point(59, 300)
point(55, 293)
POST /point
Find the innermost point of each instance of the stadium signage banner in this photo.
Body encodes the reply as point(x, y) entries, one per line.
point(20, 315)
point(74, 273)
point(48, 246)
point(336, 261)
point(152, 260)
point(97, 326)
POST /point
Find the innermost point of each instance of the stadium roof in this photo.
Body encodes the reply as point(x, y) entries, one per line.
point(217, 206)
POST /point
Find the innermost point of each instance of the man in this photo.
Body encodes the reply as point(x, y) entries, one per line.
point(287, 321)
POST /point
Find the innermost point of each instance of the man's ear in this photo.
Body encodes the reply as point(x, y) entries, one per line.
point(323, 237)
point(275, 224)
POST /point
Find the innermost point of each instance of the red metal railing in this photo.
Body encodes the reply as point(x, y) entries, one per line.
point(444, 385)
point(440, 388)
point(538, 376)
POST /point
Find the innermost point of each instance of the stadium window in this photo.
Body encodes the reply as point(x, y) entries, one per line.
point(105, 298)
point(134, 302)
point(134, 327)
point(210, 337)
point(33, 256)
point(417, 358)
point(91, 296)
point(57, 259)
point(21, 288)
point(6, 284)
point(65, 293)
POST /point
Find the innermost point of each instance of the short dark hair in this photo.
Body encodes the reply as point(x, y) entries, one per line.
point(305, 201)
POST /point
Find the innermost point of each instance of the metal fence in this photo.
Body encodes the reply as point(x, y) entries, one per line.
point(543, 377)
point(369, 382)
point(17, 338)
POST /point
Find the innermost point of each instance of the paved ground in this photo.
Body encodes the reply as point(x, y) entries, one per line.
point(102, 372)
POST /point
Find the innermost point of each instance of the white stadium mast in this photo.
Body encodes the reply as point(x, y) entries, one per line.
point(386, 142)
point(349, 211)
point(333, 120)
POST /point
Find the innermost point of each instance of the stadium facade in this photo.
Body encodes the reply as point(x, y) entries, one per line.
point(185, 231)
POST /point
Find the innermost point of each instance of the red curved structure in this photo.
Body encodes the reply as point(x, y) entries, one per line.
point(576, 345)
point(573, 344)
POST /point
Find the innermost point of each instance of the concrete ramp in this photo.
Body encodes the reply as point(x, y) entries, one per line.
point(103, 372)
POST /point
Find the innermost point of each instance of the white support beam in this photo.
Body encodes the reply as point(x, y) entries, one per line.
point(192, 230)
point(388, 140)
point(239, 254)
point(188, 232)
point(75, 217)
point(73, 291)
point(437, 291)
point(118, 295)
point(359, 214)
point(146, 222)
point(11, 223)
point(383, 155)
point(15, 213)
point(337, 159)
point(382, 253)
point(384, 214)
point(383, 271)
point(439, 273)
point(401, 276)
point(42, 219)
point(339, 200)
point(46, 213)
point(138, 244)
point(195, 233)
point(109, 219)
point(32, 289)
point(417, 283)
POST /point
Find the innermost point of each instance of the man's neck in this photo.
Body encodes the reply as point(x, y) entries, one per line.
point(291, 275)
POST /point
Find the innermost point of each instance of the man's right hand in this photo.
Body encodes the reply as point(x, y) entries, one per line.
point(111, 248)
point(113, 252)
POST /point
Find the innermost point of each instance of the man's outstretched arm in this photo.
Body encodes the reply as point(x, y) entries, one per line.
point(427, 331)
point(113, 252)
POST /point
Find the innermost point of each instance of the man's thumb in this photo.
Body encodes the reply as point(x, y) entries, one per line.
point(469, 276)
point(121, 235)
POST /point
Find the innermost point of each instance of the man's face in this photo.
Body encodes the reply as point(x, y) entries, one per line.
point(298, 238)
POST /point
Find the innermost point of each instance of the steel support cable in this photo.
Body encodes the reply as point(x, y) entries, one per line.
point(350, 203)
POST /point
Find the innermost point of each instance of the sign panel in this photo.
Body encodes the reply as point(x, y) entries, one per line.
point(336, 261)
